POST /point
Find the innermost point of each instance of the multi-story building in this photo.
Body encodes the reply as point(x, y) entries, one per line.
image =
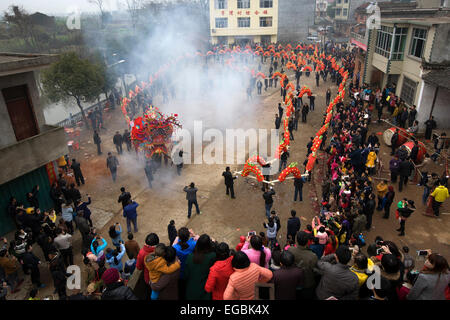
point(344, 14)
point(341, 10)
point(321, 8)
point(28, 146)
point(266, 21)
point(243, 21)
point(412, 51)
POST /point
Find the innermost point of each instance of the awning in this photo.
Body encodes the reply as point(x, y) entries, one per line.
point(359, 44)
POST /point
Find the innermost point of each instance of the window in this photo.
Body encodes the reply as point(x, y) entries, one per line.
point(399, 43)
point(338, 1)
point(408, 90)
point(345, 12)
point(221, 23)
point(384, 39)
point(265, 3)
point(418, 42)
point(265, 21)
point(345, 1)
point(243, 22)
point(243, 4)
point(221, 4)
point(338, 11)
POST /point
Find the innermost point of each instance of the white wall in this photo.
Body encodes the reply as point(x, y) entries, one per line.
point(441, 111)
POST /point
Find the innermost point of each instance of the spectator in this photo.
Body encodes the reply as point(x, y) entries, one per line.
point(432, 281)
point(241, 285)
point(197, 267)
point(288, 278)
point(257, 253)
point(293, 225)
point(337, 280)
point(151, 240)
point(184, 245)
point(132, 247)
point(172, 231)
point(114, 288)
point(167, 285)
point(115, 232)
point(306, 260)
point(220, 272)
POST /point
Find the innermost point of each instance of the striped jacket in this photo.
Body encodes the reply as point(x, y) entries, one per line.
point(241, 285)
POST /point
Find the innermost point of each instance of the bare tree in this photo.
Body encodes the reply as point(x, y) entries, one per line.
point(100, 5)
point(134, 7)
point(18, 17)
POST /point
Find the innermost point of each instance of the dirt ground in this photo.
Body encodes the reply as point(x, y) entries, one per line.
point(226, 219)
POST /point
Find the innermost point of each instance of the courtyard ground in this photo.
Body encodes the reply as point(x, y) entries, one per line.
point(226, 219)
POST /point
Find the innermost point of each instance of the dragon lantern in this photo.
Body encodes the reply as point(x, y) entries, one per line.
point(152, 133)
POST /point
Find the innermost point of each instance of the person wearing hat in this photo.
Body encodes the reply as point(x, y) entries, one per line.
point(115, 289)
point(405, 213)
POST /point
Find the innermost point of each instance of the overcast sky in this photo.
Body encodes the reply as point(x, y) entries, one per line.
point(59, 6)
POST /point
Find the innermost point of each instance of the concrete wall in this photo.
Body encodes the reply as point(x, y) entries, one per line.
point(293, 18)
point(32, 153)
point(7, 135)
point(440, 113)
point(440, 51)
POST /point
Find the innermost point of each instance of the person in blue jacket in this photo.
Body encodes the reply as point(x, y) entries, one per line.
point(97, 248)
point(184, 244)
point(115, 232)
point(130, 213)
point(114, 257)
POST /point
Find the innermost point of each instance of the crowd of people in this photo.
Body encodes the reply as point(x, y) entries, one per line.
point(325, 260)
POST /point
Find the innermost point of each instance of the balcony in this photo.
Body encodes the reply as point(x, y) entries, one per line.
point(359, 40)
point(26, 155)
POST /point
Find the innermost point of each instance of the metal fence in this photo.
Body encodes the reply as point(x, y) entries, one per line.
point(78, 117)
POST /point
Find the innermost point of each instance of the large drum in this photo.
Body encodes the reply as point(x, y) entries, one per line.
point(403, 136)
point(422, 150)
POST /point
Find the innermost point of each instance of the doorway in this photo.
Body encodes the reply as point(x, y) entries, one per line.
point(20, 110)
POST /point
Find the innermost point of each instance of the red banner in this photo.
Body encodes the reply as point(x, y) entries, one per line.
point(51, 172)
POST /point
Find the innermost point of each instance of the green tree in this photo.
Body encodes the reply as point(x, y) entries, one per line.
point(73, 78)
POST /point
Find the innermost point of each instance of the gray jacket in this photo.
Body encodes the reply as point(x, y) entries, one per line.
point(337, 280)
point(429, 287)
point(306, 260)
point(82, 225)
point(191, 193)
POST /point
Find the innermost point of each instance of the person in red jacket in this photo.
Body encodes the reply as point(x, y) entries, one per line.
point(240, 244)
point(331, 245)
point(150, 242)
point(220, 272)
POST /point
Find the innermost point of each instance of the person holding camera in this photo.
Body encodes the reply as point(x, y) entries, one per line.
point(191, 197)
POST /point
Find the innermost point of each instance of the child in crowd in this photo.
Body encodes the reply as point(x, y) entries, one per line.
point(157, 265)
